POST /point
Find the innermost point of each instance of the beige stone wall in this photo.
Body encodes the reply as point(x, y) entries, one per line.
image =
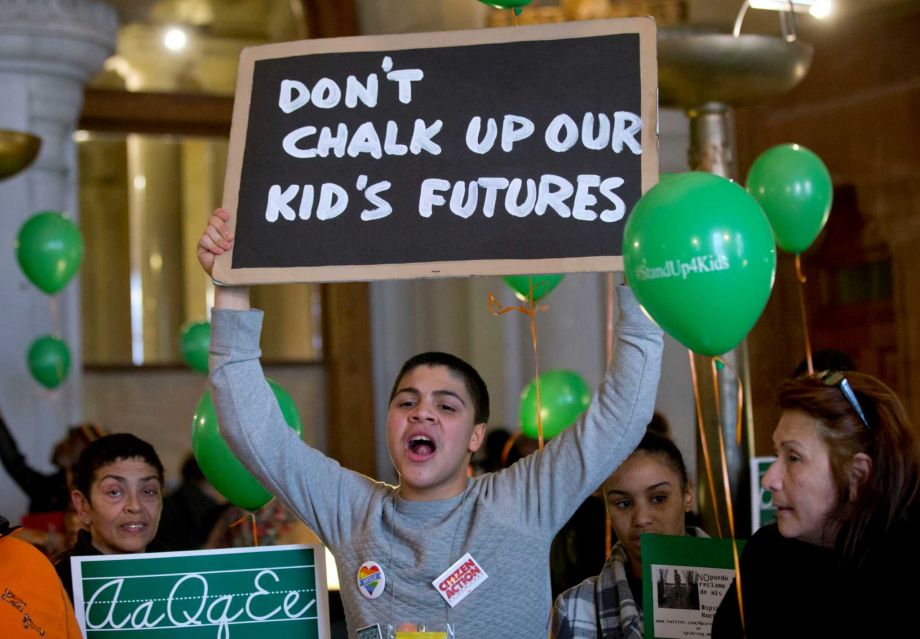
point(158, 404)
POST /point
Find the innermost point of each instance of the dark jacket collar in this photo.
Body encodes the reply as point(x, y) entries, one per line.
point(5, 528)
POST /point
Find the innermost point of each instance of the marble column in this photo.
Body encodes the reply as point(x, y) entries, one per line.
point(48, 50)
point(713, 149)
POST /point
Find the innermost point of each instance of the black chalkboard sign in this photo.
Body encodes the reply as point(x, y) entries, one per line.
point(486, 152)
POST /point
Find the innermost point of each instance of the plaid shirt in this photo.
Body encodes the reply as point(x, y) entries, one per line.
point(602, 606)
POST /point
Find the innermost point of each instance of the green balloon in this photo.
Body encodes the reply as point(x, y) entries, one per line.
point(49, 361)
point(564, 396)
point(795, 190)
point(698, 252)
point(666, 176)
point(217, 461)
point(194, 341)
point(506, 4)
point(49, 249)
point(542, 285)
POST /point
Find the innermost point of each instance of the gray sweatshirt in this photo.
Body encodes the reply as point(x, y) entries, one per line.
point(505, 520)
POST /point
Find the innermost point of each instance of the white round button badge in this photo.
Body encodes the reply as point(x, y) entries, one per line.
point(371, 580)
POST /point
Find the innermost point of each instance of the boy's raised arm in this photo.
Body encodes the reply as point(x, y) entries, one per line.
point(248, 414)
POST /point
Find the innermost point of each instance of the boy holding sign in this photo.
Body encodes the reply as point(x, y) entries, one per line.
point(440, 550)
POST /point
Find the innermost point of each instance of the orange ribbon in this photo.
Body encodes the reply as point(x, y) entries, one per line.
point(726, 484)
point(530, 310)
point(255, 531)
point(717, 363)
point(704, 442)
point(800, 276)
point(506, 449)
point(608, 527)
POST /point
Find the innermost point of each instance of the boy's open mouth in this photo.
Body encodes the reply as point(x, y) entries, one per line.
point(422, 445)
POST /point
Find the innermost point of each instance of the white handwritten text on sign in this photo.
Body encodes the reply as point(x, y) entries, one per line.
point(595, 131)
point(218, 594)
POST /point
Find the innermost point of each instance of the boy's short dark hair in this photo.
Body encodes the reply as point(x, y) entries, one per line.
point(477, 389)
point(108, 449)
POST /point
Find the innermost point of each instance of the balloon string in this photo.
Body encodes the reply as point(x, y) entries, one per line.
point(497, 308)
point(717, 362)
point(608, 527)
point(55, 317)
point(251, 517)
point(506, 449)
point(609, 332)
point(704, 442)
point(738, 581)
point(57, 403)
point(800, 276)
point(715, 391)
point(726, 484)
point(55, 394)
point(608, 535)
point(536, 363)
point(530, 310)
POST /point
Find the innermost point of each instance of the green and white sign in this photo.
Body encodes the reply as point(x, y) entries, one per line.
point(763, 511)
point(238, 593)
point(684, 580)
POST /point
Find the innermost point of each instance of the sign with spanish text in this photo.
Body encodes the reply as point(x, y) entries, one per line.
point(684, 580)
point(236, 593)
point(486, 152)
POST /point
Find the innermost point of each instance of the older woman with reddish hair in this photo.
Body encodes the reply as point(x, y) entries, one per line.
point(846, 486)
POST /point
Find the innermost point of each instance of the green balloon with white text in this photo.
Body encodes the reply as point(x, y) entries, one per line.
point(698, 252)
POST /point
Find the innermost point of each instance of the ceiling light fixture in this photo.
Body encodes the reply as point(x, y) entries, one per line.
point(175, 39)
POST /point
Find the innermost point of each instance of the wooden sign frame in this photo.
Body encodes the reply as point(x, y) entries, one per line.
point(263, 268)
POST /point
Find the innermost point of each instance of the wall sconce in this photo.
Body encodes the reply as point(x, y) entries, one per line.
point(17, 151)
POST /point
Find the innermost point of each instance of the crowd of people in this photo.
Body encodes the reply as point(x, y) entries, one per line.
point(845, 484)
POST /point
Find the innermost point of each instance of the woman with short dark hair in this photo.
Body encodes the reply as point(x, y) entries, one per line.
point(118, 496)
